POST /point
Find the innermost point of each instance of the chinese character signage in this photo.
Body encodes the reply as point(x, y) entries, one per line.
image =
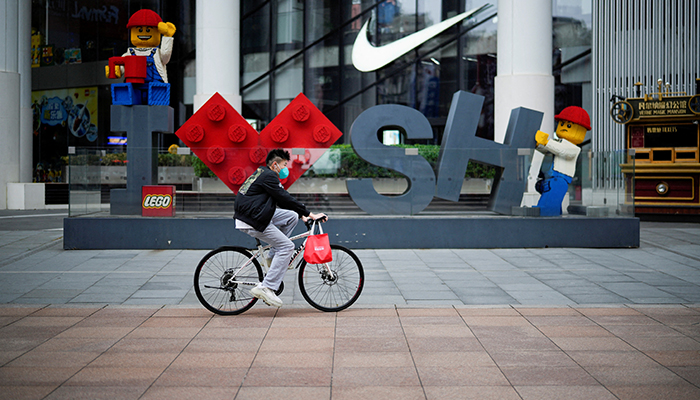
point(676, 106)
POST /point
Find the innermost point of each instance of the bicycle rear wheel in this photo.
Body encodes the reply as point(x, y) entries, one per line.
point(332, 293)
point(216, 286)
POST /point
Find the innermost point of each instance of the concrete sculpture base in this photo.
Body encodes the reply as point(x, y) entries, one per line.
point(362, 232)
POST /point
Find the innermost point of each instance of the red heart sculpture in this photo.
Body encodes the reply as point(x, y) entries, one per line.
point(233, 150)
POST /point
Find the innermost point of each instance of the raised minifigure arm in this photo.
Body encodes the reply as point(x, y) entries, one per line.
point(167, 29)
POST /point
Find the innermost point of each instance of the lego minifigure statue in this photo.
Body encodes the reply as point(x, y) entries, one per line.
point(146, 83)
point(572, 124)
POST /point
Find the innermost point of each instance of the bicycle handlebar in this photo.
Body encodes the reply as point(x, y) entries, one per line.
point(310, 221)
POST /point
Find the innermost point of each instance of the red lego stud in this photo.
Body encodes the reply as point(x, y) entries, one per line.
point(216, 112)
point(280, 134)
point(195, 133)
point(236, 133)
point(237, 176)
point(301, 114)
point(258, 155)
point(216, 155)
point(322, 134)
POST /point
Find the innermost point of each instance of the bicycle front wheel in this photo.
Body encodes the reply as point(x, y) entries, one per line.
point(221, 285)
point(338, 290)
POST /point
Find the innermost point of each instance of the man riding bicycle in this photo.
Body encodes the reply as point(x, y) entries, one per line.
point(264, 210)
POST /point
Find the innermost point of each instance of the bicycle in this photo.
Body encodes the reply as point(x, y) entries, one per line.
point(224, 277)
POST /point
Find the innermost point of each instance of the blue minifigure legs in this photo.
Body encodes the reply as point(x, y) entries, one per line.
point(133, 94)
point(125, 94)
point(550, 201)
point(158, 94)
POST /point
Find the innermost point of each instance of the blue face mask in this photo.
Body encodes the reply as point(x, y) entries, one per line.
point(284, 173)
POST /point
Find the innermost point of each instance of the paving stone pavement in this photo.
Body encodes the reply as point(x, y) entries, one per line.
point(34, 269)
point(461, 352)
point(430, 324)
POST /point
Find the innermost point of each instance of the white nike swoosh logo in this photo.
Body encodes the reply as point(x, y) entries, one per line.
point(366, 57)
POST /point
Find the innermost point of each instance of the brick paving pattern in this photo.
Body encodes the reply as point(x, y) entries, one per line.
point(430, 324)
point(128, 352)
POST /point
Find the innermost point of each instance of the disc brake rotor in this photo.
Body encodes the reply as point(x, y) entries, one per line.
point(329, 278)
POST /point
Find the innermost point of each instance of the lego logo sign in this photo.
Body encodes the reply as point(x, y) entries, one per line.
point(158, 201)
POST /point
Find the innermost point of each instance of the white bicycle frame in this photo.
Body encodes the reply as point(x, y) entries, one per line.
point(258, 254)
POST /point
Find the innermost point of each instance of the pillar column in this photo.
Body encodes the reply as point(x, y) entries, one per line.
point(218, 51)
point(9, 97)
point(24, 63)
point(524, 73)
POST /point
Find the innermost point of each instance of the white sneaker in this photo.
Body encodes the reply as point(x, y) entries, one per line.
point(266, 295)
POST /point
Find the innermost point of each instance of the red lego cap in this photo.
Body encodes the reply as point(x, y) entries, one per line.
point(576, 115)
point(144, 18)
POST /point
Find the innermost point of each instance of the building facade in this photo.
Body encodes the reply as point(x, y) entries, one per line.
point(265, 52)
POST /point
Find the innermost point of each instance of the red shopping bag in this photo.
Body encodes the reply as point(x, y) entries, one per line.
point(318, 247)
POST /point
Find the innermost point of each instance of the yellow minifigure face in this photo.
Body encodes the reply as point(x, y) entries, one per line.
point(570, 131)
point(145, 36)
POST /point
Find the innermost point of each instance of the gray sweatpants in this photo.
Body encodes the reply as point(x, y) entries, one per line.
point(277, 235)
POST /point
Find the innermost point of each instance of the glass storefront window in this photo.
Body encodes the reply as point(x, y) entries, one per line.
point(323, 17)
point(572, 22)
point(572, 36)
point(290, 22)
point(252, 5)
point(70, 32)
point(83, 174)
point(396, 19)
point(322, 73)
point(255, 43)
point(479, 62)
point(431, 12)
point(255, 53)
point(256, 101)
point(70, 100)
point(288, 83)
point(424, 79)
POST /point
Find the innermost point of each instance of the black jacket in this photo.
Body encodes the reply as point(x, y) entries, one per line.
point(260, 195)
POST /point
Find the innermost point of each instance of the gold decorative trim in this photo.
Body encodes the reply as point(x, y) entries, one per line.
point(648, 168)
